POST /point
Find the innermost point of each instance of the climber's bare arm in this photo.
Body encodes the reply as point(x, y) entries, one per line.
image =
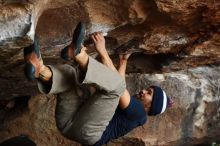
point(125, 98)
point(99, 42)
point(123, 60)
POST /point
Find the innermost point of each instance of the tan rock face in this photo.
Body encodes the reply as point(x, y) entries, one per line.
point(32, 120)
point(189, 13)
point(14, 22)
point(172, 35)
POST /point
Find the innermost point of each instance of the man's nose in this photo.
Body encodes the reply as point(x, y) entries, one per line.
point(142, 92)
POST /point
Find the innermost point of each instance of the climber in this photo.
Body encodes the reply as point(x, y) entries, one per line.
point(93, 104)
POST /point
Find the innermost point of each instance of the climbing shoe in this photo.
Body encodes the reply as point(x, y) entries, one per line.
point(31, 53)
point(77, 41)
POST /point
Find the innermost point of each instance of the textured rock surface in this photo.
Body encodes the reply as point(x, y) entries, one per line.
point(188, 13)
point(194, 119)
point(35, 120)
point(173, 35)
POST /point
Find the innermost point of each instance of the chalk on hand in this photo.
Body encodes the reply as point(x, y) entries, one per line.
point(105, 33)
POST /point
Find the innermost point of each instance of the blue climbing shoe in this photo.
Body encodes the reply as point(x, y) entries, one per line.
point(29, 53)
point(77, 41)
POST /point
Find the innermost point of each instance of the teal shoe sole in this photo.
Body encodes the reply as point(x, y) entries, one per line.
point(29, 69)
point(77, 39)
